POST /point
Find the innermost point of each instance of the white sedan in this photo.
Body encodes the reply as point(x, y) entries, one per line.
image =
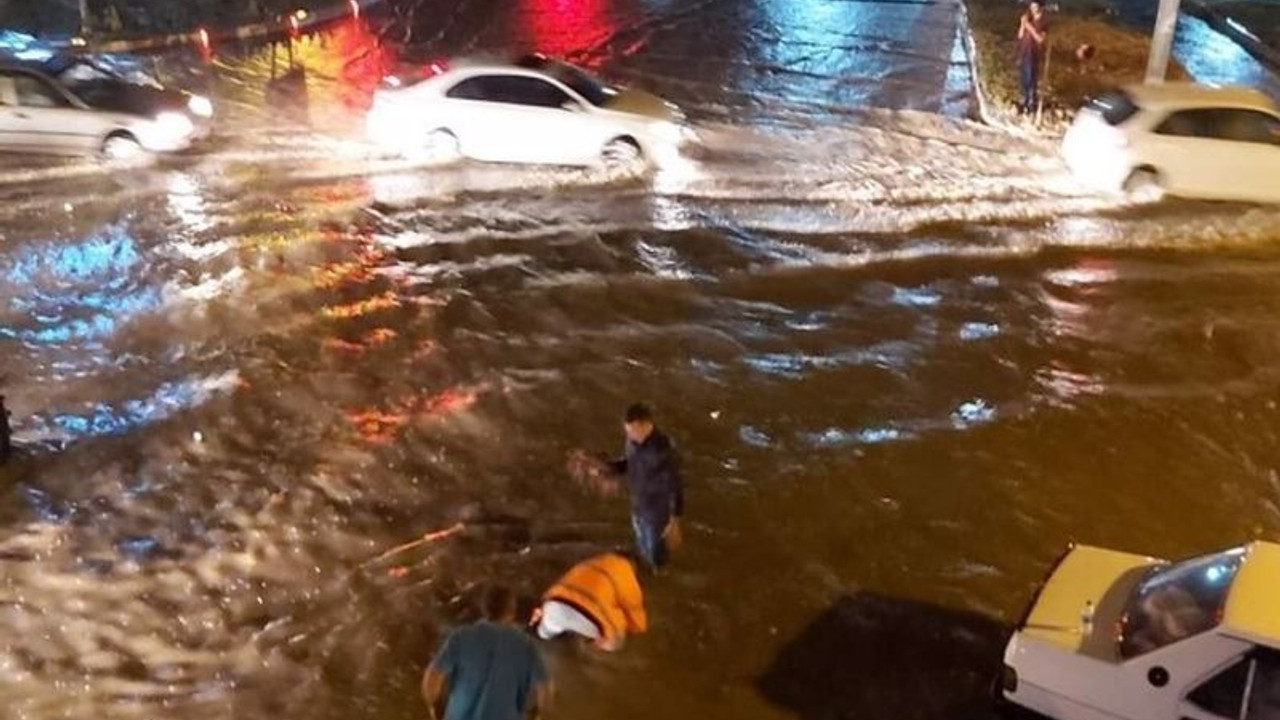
point(39, 115)
point(1200, 141)
point(538, 110)
point(1116, 636)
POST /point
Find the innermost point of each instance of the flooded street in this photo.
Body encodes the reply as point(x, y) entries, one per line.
point(905, 357)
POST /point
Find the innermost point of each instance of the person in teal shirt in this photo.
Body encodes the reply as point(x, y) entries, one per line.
point(490, 670)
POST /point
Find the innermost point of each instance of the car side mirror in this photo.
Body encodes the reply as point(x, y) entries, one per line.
point(571, 106)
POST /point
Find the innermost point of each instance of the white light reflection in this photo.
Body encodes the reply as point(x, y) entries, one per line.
point(674, 177)
point(187, 203)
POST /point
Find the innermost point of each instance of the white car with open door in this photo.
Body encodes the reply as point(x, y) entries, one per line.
point(1197, 141)
point(40, 115)
point(1114, 636)
point(537, 110)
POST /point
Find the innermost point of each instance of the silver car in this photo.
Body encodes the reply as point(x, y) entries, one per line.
point(40, 115)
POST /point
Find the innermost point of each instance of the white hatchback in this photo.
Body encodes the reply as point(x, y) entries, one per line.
point(538, 110)
point(1114, 636)
point(40, 115)
point(1198, 141)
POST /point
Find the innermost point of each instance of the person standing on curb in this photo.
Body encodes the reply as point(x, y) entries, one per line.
point(1033, 33)
point(489, 670)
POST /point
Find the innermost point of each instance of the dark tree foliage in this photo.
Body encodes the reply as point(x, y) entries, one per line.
point(132, 16)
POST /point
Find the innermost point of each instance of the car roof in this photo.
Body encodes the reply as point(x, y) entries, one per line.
point(1185, 94)
point(483, 68)
point(1250, 612)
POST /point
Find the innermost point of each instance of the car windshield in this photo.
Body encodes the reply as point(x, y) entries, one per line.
point(1177, 601)
point(595, 90)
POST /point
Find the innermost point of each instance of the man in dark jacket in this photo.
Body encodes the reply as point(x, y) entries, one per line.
point(652, 468)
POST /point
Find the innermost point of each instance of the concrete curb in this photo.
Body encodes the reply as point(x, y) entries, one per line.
point(243, 32)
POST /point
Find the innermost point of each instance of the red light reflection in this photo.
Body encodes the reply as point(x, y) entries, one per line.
point(381, 426)
point(565, 28)
point(365, 61)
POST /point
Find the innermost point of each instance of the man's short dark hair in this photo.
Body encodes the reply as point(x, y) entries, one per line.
point(639, 412)
point(498, 602)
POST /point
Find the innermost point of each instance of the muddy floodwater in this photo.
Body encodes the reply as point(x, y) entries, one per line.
point(906, 357)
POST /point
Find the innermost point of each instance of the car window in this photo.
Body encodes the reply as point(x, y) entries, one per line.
point(586, 85)
point(1264, 692)
point(1187, 123)
point(1177, 601)
point(33, 92)
point(1223, 124)
point(510, 89)
point(1223, 694)
point(1243, 126)
point(476, 88)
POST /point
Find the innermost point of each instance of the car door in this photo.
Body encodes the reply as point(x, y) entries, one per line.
point(473, 112)
point(47, 120)
point(1222, 695)
point(1184, 152)
point(1264, 690)
point(519, 118)
point(1251, 167)
point(558, 125)
point(1221, 153)
point(1246, 689)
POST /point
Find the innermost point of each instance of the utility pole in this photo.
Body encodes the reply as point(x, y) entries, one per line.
point(1162, 40)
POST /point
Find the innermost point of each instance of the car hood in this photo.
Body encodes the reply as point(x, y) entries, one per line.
point(1106, 579)
point(639, 102)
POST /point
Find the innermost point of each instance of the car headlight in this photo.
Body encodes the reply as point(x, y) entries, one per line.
point(201, 106)
point(172, 124)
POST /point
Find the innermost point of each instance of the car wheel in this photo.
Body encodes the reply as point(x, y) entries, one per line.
point(440, 145)
point(1144, 181)
point(621, 154)
point(122, 149)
